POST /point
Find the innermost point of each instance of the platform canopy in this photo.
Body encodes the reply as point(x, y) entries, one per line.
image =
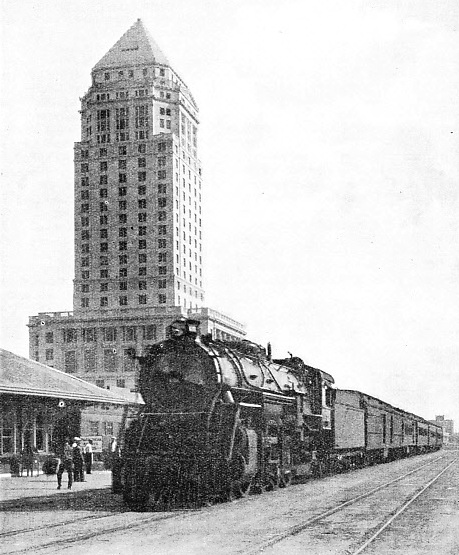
point(22, 376)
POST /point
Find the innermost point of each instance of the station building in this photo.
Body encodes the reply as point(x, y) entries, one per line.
point(41, 406)
point(138, 193)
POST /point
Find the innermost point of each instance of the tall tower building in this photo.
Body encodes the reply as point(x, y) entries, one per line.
point(138, 232)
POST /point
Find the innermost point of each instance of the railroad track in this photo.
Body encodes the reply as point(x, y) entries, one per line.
point(317, 519)
point(72, 536)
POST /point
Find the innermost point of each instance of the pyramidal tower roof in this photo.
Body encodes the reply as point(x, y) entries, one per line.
point(136, 46)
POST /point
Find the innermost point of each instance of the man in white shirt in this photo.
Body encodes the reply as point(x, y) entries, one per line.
point(88, 456)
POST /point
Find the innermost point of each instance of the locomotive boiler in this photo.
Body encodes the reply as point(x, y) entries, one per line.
point(222, 419)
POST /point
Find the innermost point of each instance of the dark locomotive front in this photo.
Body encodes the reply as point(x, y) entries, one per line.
point(221, 419)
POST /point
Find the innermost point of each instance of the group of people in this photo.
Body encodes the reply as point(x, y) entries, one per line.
point(75, 460)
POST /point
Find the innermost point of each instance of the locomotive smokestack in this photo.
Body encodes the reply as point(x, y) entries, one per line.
point(269, 351)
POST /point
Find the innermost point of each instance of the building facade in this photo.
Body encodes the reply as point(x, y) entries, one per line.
point(138, 220)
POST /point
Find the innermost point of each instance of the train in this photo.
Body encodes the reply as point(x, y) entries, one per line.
point(223, 419)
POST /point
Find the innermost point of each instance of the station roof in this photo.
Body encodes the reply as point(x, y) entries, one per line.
point(22, 376)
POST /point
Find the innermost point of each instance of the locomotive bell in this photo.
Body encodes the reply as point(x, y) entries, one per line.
point(184, 328)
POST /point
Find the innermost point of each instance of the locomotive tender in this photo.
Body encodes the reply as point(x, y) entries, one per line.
point(222, 419)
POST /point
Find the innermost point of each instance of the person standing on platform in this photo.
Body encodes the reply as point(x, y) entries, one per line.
point(88, 456)
point(78, 460)
point(65, 463)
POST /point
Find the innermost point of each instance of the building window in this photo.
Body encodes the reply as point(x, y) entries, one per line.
point(122, 164)
point(70, 363)
point(162, 230)
point(142, 285)
point(123, 259)
point(85, 195)
point(102, 152)
point(142, 299)
point(85, 207)
point(122, 245)
point(141, 116)
point(142, 230)
point(162, 202)
point(162, 243)
point(104, 301)
point(107, 76)
point(122, 205)
point(162, 257)
point(142, 258)
point(93, 426)
point(108, 428)
point(123, 301)
point(122, 150)
point(122, 191)
point(84, 168)
point(104, 220)
point(162, 174)
point(89, 335)
point(122, 272)
point(85, 288)
point(142, 217)
point(122, 232)
point(103, 193)
point(129, 333)
point(103, 274)
point(142, 176)
point(162, 298)
point(49, 354)
point(123, 285)
point(103, 260)
point(122, 218)
point(85, 261)
point(84, 302)
point(104, 286)
point(84, 221)
point(142, 244)
point(161, 216)
point(89, 360)
point(128, 361)
point(85, 181)
point(103, 247)
point(142, 271)
point(103, 206)
point(142, 162)
point(142, 190)
point(109, 360)
point(142, 148)
point(109, 334)
point(103, 166)
point(100, 383)
point(162, 188)
point(120, 382)
point(162, 270)
point(122, 178)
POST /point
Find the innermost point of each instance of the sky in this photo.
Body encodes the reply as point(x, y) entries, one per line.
point(329, 144)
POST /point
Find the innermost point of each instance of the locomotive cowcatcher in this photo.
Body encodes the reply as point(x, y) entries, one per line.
point(221, 419)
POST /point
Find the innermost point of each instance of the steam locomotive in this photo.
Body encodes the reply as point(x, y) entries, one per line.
point(222, 419)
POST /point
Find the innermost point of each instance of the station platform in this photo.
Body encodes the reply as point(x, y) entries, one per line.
point(42, 486)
